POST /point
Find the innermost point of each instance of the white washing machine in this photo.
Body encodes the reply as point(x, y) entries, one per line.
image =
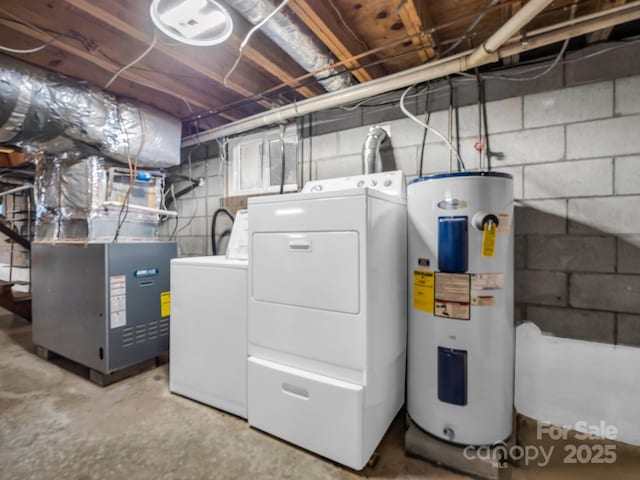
point(327, 314)
point(208, 341)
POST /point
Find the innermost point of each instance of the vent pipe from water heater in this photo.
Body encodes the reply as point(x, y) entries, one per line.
point(376, 146)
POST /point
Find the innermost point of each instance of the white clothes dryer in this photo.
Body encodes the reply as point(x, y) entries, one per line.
point(327, 314)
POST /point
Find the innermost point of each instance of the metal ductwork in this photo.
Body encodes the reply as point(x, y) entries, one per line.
point(295, 39)
point(42, 111)
point(377, 146)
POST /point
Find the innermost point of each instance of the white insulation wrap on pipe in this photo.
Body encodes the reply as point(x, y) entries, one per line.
point(55, 114)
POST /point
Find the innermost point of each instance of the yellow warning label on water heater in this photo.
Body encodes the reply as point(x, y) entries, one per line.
point(489, 240)
point(423, 294)
point(165, 304)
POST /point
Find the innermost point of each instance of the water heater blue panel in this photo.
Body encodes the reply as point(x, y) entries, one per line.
point(453, 244)
point(452, 376)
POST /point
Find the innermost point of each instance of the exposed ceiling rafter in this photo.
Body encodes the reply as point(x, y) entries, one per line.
point(513, 8)
point(416, 18)
point(603, 35)
point(269, 57)
point(168, 86)
point(433, 70)
point(327, 25)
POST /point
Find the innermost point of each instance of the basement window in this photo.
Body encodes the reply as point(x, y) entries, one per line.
point(256, 163)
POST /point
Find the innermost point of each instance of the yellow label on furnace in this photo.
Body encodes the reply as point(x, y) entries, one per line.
point(489, 240)
point(165, 304)
point(423, 290)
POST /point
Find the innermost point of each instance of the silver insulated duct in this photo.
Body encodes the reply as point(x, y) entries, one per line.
point(376, 146)
point(295, 39)
point(49, 112)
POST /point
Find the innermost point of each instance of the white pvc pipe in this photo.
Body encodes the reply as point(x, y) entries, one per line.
point(432, 70)
point(585, 18)
point(167, 213)
point(16, 190)
point(488, 51)
point(429, 71)
point(587, 24)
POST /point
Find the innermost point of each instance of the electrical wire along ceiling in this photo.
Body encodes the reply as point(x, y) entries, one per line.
point(211, 63)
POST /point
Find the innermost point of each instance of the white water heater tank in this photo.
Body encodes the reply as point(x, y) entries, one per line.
point(461, 329)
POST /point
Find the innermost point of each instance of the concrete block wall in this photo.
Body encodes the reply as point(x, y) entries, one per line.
point(193, 232)
point(574, 154)
point(572, 143)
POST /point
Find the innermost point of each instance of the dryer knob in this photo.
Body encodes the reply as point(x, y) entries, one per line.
point(316, 188)
point(361, 184)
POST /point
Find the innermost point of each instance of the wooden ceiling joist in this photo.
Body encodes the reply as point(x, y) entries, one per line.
point(512, 9)
point(10, 157)
point(169, 86)
point(91, 40)
point(140, 77)
point(416, 17)
point(96, 11)
point(54, 58)
point(326, 24)
point(603, 35)
point(262, 52)
point(270, 58)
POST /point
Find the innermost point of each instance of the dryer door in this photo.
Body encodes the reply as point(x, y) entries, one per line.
point(316, 270)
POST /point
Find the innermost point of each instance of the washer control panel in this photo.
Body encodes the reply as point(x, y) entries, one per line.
point(391, 183)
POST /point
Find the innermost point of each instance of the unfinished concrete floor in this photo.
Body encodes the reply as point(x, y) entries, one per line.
point(55, 424)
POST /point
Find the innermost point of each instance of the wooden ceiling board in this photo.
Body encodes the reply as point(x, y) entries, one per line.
point(325, 19)
point(378, 23)
point(415, 15)
point(164, 85)
point(453, 18)
point(54, 58)
point(213, 61)
point(102, 36)
point(114, 51)
point(268, 57)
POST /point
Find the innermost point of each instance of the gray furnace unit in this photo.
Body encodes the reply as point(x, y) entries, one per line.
point(103, 305)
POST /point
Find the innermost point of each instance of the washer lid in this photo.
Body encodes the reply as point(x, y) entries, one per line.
point(214, 261)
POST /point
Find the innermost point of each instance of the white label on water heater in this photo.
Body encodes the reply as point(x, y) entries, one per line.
point(487, 281)
point(459, 311)
point(504, 223)
point(482, 300)
point(452, 295)
point(453, 287)
point(118, 301)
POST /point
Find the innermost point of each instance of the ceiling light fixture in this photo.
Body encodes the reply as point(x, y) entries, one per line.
point(194, 22)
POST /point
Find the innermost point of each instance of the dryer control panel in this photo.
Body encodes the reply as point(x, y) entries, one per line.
point(391, 183)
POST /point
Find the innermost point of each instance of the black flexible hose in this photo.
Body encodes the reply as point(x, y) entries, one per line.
point(484, 123)
point(427, 114)
point(214, 250)
point(282, 158)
